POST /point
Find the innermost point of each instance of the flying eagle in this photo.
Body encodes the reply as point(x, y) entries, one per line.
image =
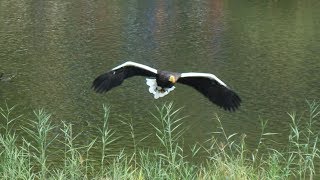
point(162, 82)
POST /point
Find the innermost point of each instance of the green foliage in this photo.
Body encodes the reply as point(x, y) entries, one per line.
point(224, 156)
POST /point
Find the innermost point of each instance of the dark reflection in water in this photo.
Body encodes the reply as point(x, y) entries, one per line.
point(268, 51)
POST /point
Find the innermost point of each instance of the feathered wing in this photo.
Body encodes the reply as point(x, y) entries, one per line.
point(117, 75)
point(212, 88)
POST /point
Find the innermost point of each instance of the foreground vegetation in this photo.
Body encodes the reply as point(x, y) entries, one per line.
point(223, 156)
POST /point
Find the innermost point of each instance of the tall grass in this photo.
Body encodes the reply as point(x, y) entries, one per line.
point(224, 156)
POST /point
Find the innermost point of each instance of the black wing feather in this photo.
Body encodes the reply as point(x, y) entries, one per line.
point(114, 78)
point(215, 92)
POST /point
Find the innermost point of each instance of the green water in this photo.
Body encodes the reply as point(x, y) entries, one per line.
point(267, 51)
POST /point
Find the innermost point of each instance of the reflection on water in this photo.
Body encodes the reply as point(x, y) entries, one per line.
point(267, 51)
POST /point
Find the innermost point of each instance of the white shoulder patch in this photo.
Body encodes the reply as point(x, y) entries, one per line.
point(207, 75)
point(142, 66)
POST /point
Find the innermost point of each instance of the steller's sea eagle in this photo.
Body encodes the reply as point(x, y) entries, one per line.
point(162, 82)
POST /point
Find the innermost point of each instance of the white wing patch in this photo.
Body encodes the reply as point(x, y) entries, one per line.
point(156, 90)
point(130, 63)
point(207, 75)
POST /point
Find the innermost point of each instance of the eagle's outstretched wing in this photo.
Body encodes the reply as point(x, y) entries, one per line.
point(117, 75)
point(212, 88)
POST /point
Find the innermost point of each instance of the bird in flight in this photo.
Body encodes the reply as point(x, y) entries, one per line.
point(162, 82)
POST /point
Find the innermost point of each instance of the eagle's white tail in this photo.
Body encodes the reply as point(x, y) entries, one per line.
point(156, 90)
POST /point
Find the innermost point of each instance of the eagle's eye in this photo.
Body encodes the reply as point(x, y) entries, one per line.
point(172, 79)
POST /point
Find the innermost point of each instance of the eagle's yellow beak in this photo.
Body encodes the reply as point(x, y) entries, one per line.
point(172, 79)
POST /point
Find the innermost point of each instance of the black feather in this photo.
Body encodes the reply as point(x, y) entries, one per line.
point(215, 92)
point(114, 78)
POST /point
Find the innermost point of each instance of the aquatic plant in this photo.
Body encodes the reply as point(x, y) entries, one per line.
point(28, 154)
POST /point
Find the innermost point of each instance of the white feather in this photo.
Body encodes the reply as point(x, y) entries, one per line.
point(156, 90)
point(207, 75)
point(130, 63)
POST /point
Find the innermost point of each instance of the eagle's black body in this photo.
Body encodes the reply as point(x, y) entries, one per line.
point(163, 76)
point(207, 84)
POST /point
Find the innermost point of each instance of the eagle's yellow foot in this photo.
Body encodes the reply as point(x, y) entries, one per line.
point(160, 89)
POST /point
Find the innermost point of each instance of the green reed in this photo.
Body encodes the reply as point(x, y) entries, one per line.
point(26, 154)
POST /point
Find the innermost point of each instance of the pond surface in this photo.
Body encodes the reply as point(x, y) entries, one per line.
point(267, 51)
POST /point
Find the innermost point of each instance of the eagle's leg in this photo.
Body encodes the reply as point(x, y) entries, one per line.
point(160, 89)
